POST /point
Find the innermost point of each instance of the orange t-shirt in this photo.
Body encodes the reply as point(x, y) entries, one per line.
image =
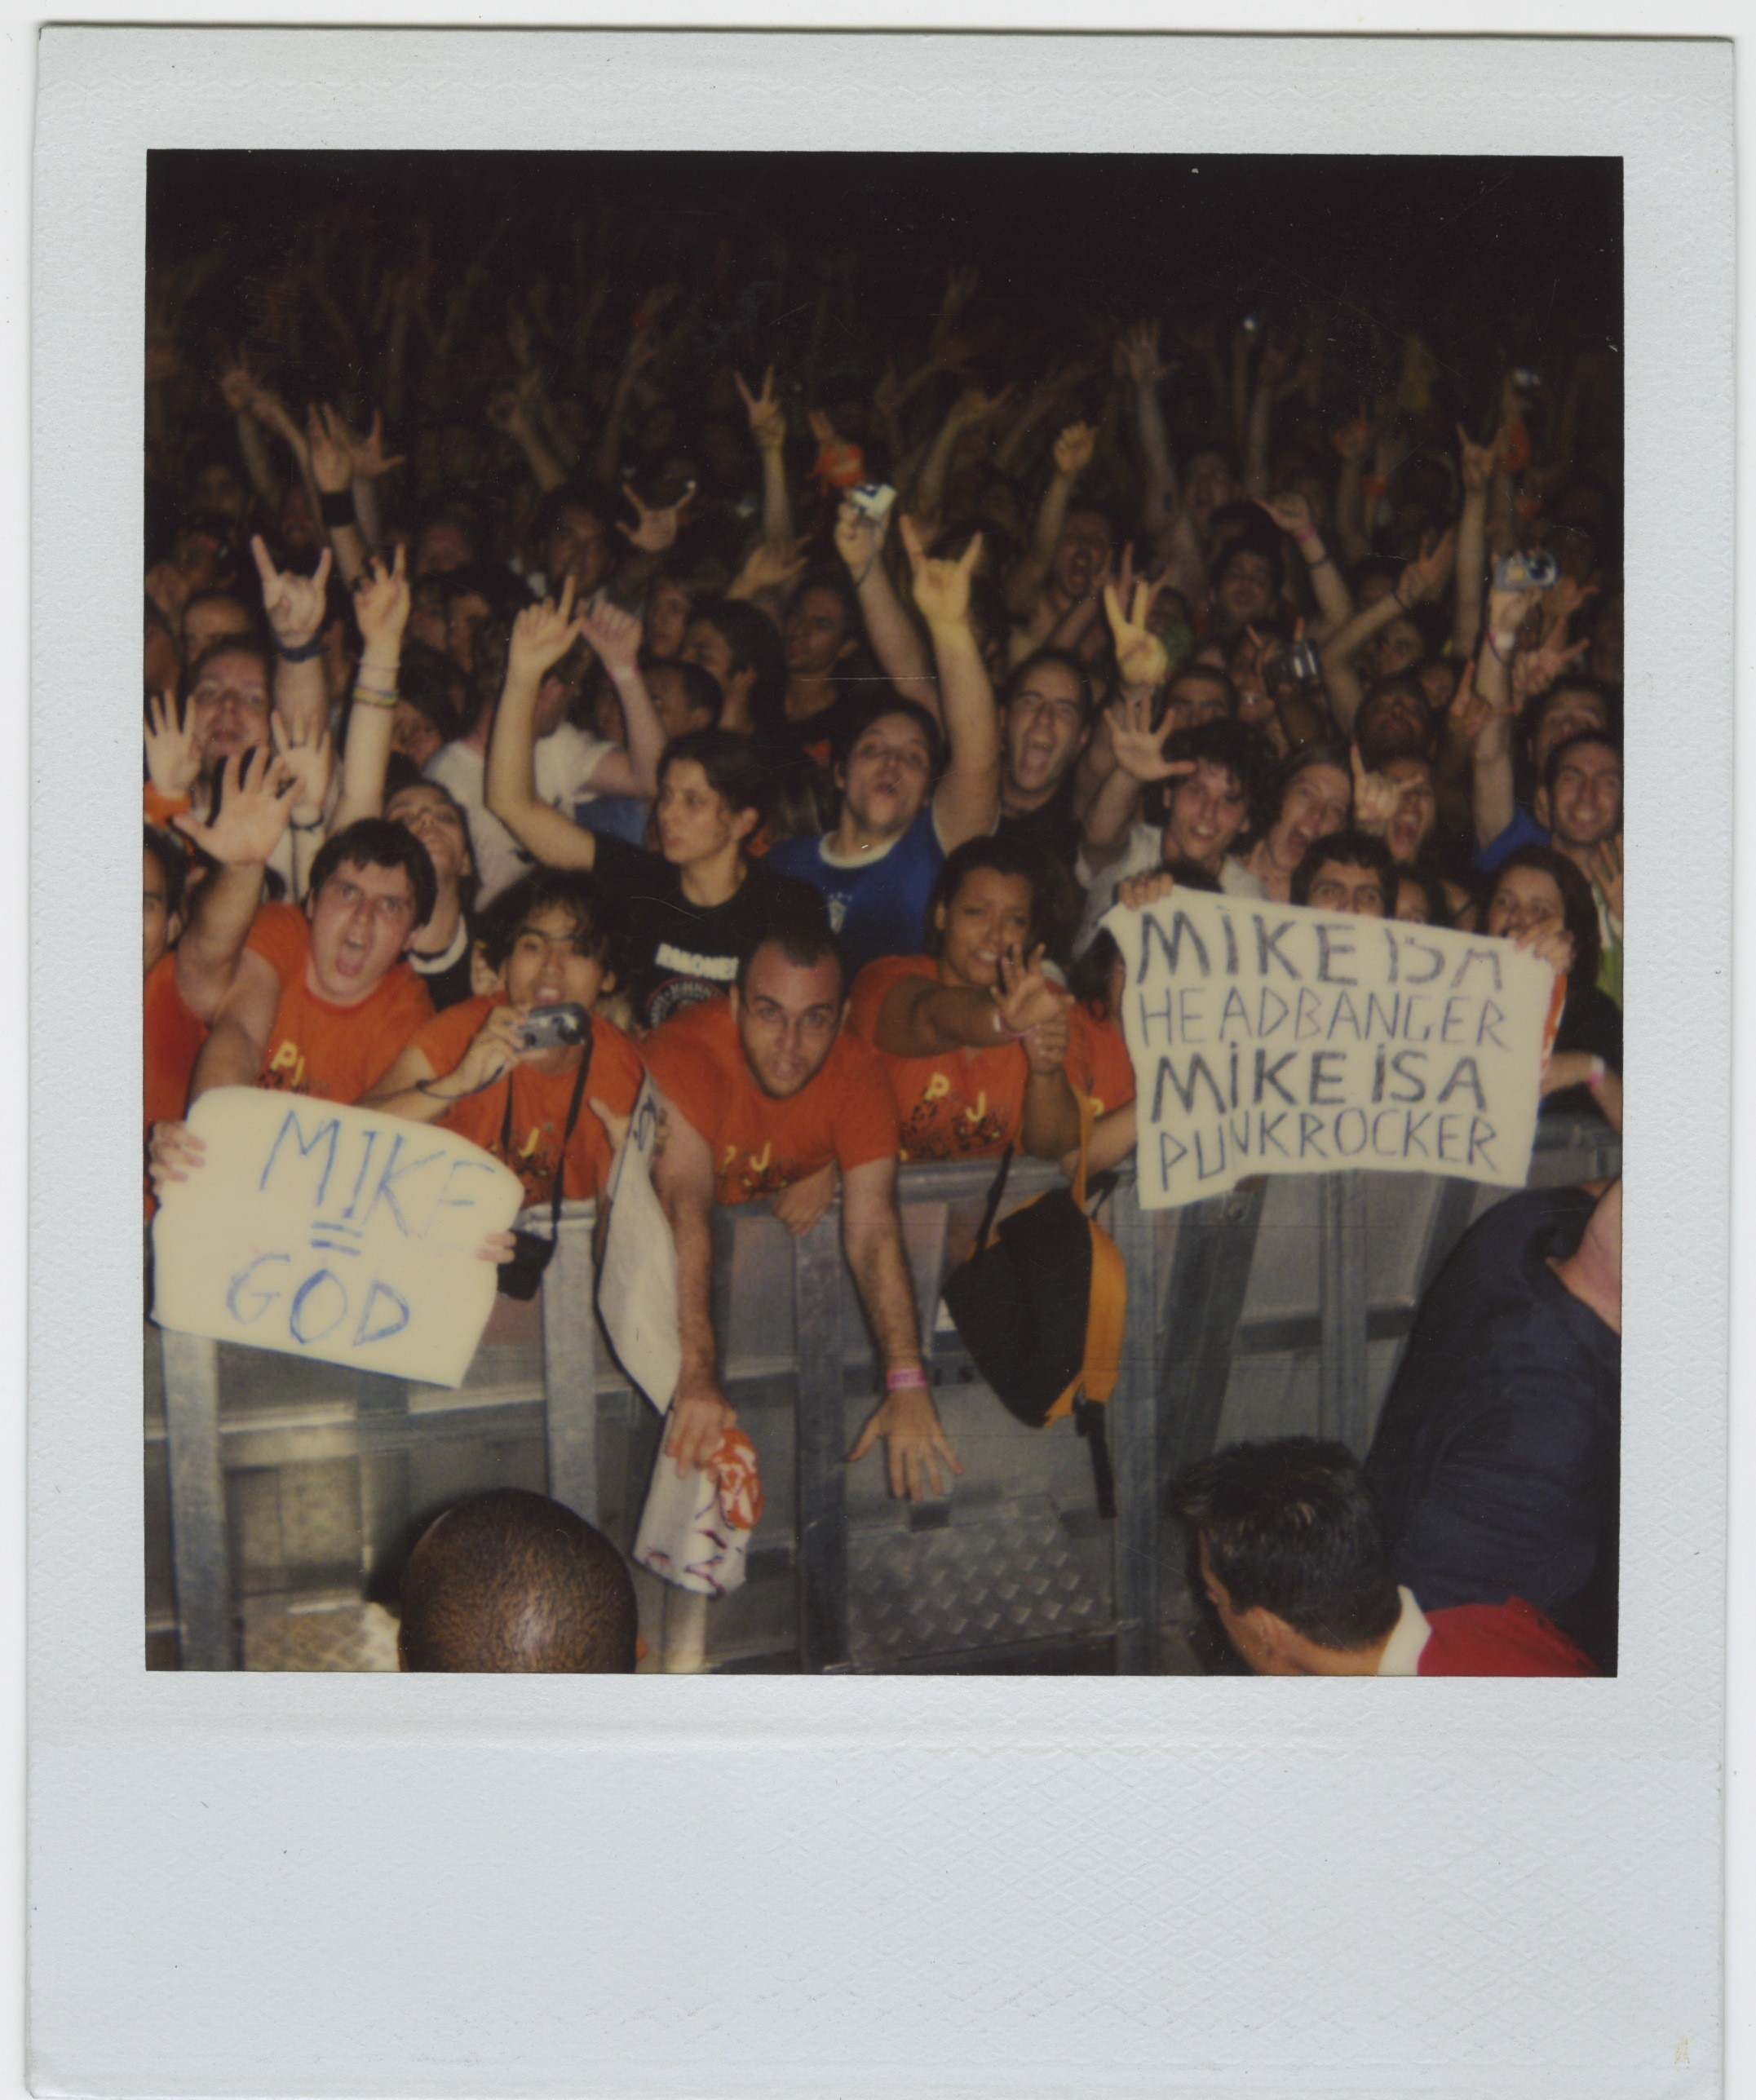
point(335, 1053)
point(1098, 1063)
point(172, 1039)
point(960, 1104)
point(540, 1102)
point(762, 1145)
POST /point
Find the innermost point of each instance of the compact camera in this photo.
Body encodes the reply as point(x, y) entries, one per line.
point(873, 499)
point(1526, 571)
point(544, 1028)
point(1296, 664)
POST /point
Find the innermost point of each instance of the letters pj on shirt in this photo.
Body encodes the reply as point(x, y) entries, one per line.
point(1269, 1039)
point(320, 1231)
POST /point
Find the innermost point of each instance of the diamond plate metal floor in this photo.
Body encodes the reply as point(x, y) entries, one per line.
point(341, 1637)
point(1015, 1573)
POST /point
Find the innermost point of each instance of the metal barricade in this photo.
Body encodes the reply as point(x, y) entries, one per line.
point(1280, 1307)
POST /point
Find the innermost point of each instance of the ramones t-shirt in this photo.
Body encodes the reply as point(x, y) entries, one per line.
point(676, 952)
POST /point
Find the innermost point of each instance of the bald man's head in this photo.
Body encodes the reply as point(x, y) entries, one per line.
point(510, 1580)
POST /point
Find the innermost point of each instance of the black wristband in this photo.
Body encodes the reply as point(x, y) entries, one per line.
point(337, 505)
point(303, 653)
point(294, 824)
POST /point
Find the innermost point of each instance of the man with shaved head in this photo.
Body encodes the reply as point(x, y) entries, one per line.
point(512, 1580)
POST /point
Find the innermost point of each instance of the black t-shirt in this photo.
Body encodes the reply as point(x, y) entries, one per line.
point(1592, 1022)
point(1496, 1466)
point(1052, 832)
point(675, 952)
point(446, 976)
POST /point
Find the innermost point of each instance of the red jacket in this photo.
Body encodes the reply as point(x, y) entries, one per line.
point(1499, 1640)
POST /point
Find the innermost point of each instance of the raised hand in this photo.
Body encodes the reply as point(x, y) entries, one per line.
point(941, 588)
point(1376, 795)
point(1468, 712)
point(309, 760)
point(973, 407)
point(1475, 461)
point(657, 531)
point(1560, 602)
point(295, 604)
point(381, 605)
point(1535, 671)
point(1137, 354)
point(1425, 575)
point(1140, 656)
point(371, 460)
point(1025, 996)
point(255, 802)
point(1139, 747)
point(542, 635)
point(770, 565)
point(1290, 512)
point(173, 755)
point(1508, 610)
point(613, 634)
point(860, 540)
point(1606, 873)
point(768, 418)
point(1073, 449)
point(332, 465)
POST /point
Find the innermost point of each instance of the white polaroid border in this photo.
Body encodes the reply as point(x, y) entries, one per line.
point(789, 1887)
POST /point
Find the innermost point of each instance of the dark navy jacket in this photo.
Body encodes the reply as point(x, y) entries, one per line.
point(1496, 1464)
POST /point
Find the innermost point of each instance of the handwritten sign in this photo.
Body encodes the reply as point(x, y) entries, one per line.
point(637, 1287)
point(1268, 1039)
point(332, 1232)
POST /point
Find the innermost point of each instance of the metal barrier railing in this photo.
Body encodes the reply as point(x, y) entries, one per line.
point(1280, 1305)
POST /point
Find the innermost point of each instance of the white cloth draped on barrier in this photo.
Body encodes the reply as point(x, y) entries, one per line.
point(694, 1528)
point(1271, 1039)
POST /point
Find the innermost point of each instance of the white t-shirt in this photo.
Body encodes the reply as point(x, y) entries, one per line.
point(1146, 851)
point(563, 763)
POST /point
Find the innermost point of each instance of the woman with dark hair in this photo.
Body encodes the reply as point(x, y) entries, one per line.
point(739, 648)
point(1307, 797)
point(975, 1035)
point(1540, 901)
point(685, 910)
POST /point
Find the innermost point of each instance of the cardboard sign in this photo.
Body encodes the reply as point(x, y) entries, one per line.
point(320, 1231)
point(1268, 1039)
point(637, 1288)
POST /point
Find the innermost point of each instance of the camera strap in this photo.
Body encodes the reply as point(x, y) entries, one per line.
point(567, 1134)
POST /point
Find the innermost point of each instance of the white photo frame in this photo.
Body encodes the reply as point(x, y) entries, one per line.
point(782, 1887)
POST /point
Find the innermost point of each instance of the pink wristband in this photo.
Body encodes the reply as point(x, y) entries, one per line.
point(1598, 1072)
point(899, 1382)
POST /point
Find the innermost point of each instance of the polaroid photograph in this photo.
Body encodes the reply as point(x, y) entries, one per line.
point(883, 792)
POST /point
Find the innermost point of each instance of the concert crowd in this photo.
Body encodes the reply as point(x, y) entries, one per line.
point(657, 654)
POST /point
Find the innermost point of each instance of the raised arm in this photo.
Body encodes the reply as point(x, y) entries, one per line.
point(921, 1017)
point(1139, 754)
point(896, 640)
point(1424, 579)
point(969, 411)
point(1335, 601)
point(767, 422)
point(1073, 455)
point(332, 468)
point(966, 801)
point(1477, 464)
point(907, 1420)
point(1494, 804)
point(683, 1179)
point(381, 606)
point(632, 769)
point(542, 635)
point(296, 606)
point(1161, 497)
point(255, 799)
point(510, 415)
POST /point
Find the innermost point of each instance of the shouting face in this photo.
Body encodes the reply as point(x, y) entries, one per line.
point(1044, 729)
point(362, 921)
point(885, 779)
point(1207, 812)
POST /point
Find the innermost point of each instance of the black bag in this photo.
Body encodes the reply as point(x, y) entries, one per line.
point(1041, 1305)
point(522, 1276)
